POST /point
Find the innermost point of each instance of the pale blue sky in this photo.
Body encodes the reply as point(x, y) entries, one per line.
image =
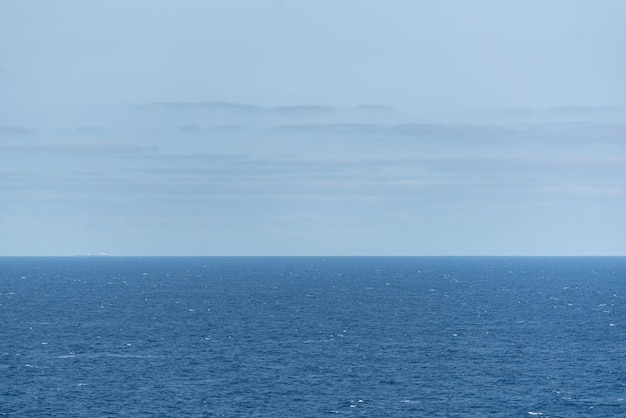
point(340, 127)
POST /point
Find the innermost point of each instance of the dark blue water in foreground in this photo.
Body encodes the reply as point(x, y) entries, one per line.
point(307, 337)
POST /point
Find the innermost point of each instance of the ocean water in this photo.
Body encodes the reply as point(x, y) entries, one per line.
point(313, 336)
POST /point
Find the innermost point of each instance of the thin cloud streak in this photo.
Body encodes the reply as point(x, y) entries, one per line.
point(12, 131)
point(98, 148)
point(288, 110)
point(416, 130)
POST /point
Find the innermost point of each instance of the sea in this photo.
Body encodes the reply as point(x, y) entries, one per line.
point(313, 336)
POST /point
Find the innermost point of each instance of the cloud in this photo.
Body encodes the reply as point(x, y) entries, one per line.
point(194, 129)
point(303, 109)
point(285, 110)
point(416, 130)
point(333, 128)
point(375, 108)
point(90, 174)
point(80, 148)
point(585, 191)
point(9, 130)
point(591, 132)
point(90, 129)
point(234, 175)
point(187, 159)
point(19, 175)
point(208, 105)
point(451, 131)
point(574, 113)
point(580, 110)
point(20, 181)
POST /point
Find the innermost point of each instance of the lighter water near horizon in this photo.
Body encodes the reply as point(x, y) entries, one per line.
point(313, 336)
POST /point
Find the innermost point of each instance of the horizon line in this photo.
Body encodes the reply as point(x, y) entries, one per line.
point(309, 256)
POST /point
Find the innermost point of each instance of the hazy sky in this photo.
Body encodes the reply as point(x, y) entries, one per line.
point(326, 127)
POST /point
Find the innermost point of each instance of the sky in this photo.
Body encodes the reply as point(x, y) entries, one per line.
point(327, 127)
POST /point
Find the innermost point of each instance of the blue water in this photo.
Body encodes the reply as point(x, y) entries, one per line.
point(308, 337)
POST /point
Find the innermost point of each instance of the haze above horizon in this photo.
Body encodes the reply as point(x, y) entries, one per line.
point(271, 127)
